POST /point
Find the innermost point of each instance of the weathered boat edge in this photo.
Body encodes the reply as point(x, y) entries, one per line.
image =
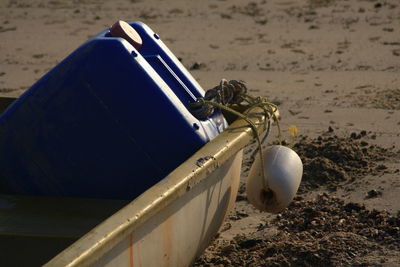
point(100, 240)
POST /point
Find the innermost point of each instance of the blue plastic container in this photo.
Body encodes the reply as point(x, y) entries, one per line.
point(109, 121)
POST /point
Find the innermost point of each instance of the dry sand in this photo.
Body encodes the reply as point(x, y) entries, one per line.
point(332, 67)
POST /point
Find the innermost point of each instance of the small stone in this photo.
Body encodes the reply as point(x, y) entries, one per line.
point(197, 66)
point(373, 193)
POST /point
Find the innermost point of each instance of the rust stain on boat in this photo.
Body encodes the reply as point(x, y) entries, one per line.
point(131, 263)
point(167, 241)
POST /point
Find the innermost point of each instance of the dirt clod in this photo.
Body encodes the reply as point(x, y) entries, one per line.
point(324, 231)
point(329, 159)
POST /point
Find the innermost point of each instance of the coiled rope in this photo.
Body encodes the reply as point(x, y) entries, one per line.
point(232, 98)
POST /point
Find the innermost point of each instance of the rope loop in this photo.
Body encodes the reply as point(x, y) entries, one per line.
point(232, 98)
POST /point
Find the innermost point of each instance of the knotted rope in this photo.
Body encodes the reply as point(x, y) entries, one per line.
point(232, 98)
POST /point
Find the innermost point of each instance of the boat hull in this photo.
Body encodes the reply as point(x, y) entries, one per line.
point(168, 225)
point(182, 230)
point(173, 222)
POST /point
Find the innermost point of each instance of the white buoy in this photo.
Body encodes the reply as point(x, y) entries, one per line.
point(283, 172)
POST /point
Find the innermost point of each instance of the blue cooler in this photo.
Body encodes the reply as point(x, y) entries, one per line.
point(109, 121)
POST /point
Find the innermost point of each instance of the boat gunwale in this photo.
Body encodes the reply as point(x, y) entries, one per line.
point(93, 245)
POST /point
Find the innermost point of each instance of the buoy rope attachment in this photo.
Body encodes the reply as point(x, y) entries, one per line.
point(229, 97)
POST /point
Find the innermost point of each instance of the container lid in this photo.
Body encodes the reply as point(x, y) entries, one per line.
point(126, 31)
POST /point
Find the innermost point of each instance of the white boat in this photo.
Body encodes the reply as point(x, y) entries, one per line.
point(168, 225)
point(174, 221)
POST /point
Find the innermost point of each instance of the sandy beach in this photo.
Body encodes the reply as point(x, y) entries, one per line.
point(331, 66)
